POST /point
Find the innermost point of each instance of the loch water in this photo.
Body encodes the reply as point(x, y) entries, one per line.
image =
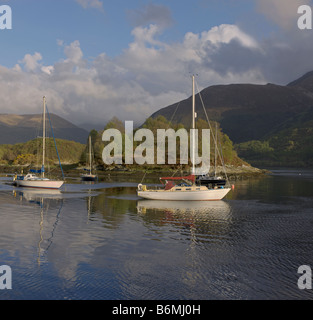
point(100, 241)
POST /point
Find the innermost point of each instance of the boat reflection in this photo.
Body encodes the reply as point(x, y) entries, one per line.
point(46, 201)
point(210, 209)
point(33, 195)
point(199, 221)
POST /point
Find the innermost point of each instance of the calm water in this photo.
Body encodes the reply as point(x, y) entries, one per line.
point(100, 242)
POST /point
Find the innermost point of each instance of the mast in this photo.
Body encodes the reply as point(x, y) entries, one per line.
point(43, 138)
point(89, 154)
point(193, 126)
point(215, 151)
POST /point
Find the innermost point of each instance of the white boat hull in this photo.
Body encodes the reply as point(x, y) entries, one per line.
point(42, 184)
point(203, 195)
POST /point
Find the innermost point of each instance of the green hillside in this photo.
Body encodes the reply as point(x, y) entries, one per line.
point(290, 147)
point(230, 156)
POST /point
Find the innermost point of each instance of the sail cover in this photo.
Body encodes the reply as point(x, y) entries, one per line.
point(191, 178)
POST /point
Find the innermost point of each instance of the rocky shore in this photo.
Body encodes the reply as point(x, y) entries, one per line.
point(240, 172)
point(232, 172)
point(118, 172)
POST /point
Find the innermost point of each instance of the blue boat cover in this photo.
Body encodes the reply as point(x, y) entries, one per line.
point(35, 171)
point(38, 171)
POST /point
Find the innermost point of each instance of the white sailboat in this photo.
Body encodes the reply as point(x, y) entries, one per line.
point(89, 176)
point(189, 190)
point(33, 181)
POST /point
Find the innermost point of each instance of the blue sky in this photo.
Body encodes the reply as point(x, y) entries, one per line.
point(97, 59)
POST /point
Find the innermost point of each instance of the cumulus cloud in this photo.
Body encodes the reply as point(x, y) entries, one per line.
point(74, 52)
point(160, 66)
point(226, 33)
point(31, 61)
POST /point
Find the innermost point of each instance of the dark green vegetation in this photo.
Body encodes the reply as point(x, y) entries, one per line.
point(230, 156)
point(269, 124)
point(289, 147)
point(30, 153)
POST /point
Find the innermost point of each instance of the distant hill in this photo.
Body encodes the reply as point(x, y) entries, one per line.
point(22, 128)
point(269, 113)
point(30, 153)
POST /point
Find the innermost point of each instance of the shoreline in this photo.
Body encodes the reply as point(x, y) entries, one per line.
point(232, 172)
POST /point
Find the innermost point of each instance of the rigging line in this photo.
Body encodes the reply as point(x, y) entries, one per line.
point(169, 126)
point(214, 138)
point(167, 129)
point(174, 114)
point(179, 168)
point(143, 177)
point(55, 143)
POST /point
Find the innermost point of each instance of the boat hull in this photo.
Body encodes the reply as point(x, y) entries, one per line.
point(40, 184)
point(205, 195)
point(213, 182)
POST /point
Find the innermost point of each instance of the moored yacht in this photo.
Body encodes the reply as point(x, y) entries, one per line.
point(189, 190)
point(31, 180)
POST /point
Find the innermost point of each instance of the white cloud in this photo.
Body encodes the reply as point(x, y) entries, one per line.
point(73, 52)
point(31, 61)
point(47, 69)
point(160, 67)
point(225, 33)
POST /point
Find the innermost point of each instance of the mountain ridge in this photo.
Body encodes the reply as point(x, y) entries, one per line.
point(22, 128)
point(245, 111)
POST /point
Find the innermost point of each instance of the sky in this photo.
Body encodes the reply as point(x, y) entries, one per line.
point(96, 59)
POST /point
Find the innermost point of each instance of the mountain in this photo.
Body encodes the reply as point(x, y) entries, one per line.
point(245, 111)
point(22, 128)
point(305, 83)
point(279, 116)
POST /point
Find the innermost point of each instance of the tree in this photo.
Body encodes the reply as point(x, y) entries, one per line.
point(115, 123)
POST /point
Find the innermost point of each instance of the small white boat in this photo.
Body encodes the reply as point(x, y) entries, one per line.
point(31, 180)
point(88, 177)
